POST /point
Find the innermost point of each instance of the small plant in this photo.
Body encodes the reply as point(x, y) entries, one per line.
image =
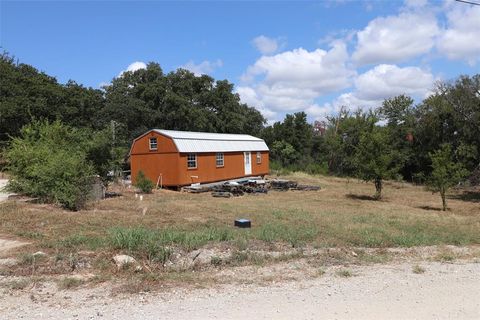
point(157, 252)
point(27, 259)
point(241, 244)
point(238, 257)
point(69, 283)
point(216, 261)
point(418, 269)
point(18, 284)
point(321, 271)
point(59, 257)
point(445, 256)
point(344, 273)
point(143, 183)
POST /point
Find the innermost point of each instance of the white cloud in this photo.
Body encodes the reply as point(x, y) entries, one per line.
point(461, 38)
point(390, 80)
point(317, 112)
point(137, 65)
point(312, 72)
point(396, 38)
point(204, 67)
point(249, 96)
point(415, 3)
point(267, 45)
point(290, 81)
point(383, 82)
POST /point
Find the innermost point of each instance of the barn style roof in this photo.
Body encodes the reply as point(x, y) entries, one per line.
point(192, 142)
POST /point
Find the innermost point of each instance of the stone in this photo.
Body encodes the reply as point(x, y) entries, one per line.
point(122, 260)
point(39, 254)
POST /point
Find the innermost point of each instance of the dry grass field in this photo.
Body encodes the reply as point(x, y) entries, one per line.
point(341, 215)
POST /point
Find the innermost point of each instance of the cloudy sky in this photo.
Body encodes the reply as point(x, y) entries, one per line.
point(283, 57)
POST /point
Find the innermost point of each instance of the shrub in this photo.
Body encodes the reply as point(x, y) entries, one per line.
point(446, 172)
point(48, 161)
point(143, 183)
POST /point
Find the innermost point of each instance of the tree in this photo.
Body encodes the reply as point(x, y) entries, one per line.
point(49, 161)
point(375, 159)
point(291, 139)
point(26, 93)
point(446, 173)
point(284, 152)
point(342, 138)
point(398, 112)
point(180, 100)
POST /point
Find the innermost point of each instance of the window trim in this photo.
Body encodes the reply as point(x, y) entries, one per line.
point(259, 157)
point(150, 143)
point(222, 159)
point(188, 161)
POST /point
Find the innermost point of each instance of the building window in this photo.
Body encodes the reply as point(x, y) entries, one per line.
point(259, 157)
point(191, 161)
point(219, 159)
point(153, 143)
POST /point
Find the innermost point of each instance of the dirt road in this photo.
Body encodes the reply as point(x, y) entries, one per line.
point(444, 291)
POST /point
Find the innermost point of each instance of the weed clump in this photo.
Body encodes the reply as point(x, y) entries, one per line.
point(344, 273)
point(417, 269)
point(143, 183)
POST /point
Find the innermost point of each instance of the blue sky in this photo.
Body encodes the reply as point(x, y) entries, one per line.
point(311, 56)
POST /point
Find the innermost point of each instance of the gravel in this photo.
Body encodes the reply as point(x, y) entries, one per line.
point(391, 291)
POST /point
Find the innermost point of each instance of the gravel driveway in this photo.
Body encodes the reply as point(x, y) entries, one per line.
point(444, 291)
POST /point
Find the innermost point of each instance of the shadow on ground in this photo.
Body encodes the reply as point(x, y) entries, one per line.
point(472, 196)
point(361, 197)
point(430, 208)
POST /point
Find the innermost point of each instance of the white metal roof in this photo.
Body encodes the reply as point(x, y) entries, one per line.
point(192, 142)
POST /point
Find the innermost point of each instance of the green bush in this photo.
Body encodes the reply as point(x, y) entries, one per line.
point(143, 183)
point(48, 161)
point(277, 168)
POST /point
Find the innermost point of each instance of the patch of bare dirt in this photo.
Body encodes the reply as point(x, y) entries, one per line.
point(7, 245)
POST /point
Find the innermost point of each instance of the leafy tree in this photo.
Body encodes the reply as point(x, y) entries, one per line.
point(147, 98)
point(291, 140)
point(26, 93)
point(342, 138)
point(375, 158)
point(446, 173)
point(450, 115)
point(284, 152)
point(398, 112)
point(49, 161)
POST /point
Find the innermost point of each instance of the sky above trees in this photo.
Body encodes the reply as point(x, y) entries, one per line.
point(283, 57)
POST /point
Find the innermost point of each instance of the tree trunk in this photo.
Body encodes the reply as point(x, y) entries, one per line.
point(378, 188)
point(444, 200)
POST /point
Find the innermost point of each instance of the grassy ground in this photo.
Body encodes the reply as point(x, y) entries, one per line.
point(342, 215)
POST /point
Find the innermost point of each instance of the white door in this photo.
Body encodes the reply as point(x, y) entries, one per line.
point(248, 162)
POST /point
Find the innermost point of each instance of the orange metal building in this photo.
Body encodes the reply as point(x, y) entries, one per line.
point(178, 158)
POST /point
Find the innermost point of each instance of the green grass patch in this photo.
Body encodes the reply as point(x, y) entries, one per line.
point(81, 241)
point(17, 284)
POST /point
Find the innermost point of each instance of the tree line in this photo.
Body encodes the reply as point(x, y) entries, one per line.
point(434, 142)
point(135, 102)
point(436, 139)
